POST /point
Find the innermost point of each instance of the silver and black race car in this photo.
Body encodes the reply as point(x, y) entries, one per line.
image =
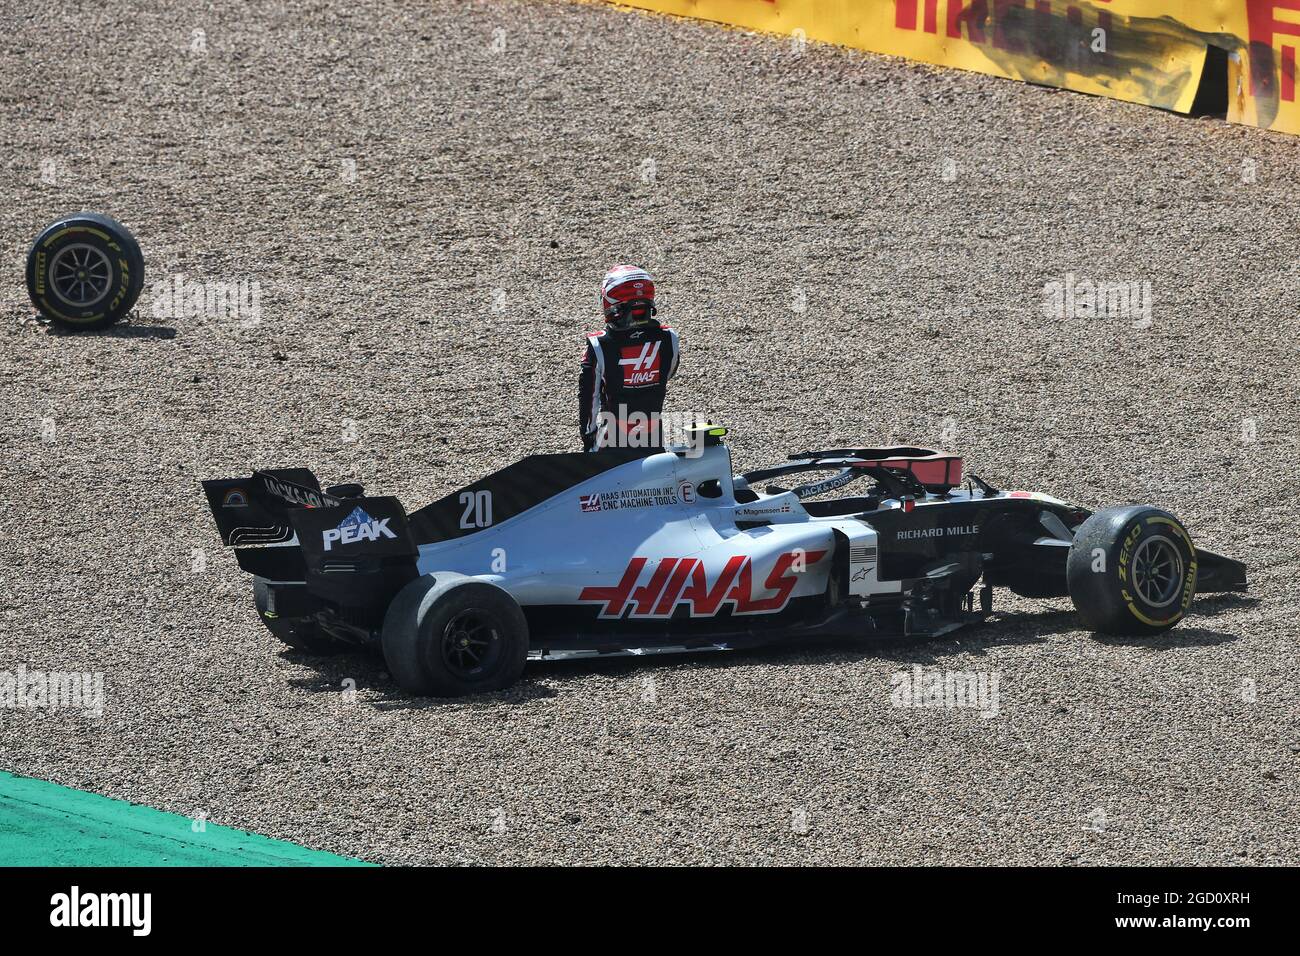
point(643, 551)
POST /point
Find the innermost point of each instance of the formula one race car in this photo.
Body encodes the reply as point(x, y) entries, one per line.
point(635, 551)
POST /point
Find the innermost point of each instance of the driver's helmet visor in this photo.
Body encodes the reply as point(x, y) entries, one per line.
point(629, 313)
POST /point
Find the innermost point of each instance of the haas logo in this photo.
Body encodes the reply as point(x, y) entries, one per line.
point(640, 364)
point(684, 581)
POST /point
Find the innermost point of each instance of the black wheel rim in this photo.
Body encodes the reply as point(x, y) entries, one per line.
point(80, 275)
point(1157, 571)
point(471, 644)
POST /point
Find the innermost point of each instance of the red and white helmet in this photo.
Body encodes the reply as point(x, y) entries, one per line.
point(627, 295)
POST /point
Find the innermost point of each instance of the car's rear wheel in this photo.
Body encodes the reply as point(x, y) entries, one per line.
point(85, 271)
point(449, 635)
point(1132, 570)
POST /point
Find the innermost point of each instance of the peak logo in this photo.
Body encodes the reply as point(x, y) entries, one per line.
point(675, 581)
point(640, 364)
point(358, 526)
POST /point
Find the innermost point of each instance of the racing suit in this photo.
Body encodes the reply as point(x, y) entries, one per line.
point(624, 371)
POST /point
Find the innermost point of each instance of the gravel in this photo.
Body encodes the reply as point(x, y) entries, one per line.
point(855, 249)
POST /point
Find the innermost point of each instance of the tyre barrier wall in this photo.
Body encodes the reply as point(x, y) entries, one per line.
point(1155, 52)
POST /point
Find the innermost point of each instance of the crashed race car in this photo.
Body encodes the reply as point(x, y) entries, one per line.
point(646, 551)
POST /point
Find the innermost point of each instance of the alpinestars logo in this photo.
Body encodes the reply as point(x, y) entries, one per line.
point(677, 581)
point(358, 526)
point(640, 364)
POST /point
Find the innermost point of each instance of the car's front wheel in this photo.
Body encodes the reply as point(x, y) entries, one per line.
point(449, 635)
point(1132, 570)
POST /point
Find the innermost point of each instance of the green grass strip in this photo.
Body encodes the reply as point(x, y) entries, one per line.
point(44, 824)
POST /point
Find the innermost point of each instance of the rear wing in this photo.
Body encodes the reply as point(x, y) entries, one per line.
point(253, 512)
point(283, 527)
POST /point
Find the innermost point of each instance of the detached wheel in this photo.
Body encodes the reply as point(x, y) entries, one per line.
point(449, 635)
point(301, 634)
point(85, 271)
point(1132, 570)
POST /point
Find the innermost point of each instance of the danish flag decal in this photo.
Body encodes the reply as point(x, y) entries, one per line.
point(640, 364)
point(675, 581)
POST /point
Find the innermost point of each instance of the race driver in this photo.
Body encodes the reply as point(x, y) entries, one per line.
point(626, 367)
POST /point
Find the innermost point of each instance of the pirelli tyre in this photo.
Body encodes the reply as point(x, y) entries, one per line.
point(1132, 570)
point(85, 271)
point(449, 635)
point(299, 633)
